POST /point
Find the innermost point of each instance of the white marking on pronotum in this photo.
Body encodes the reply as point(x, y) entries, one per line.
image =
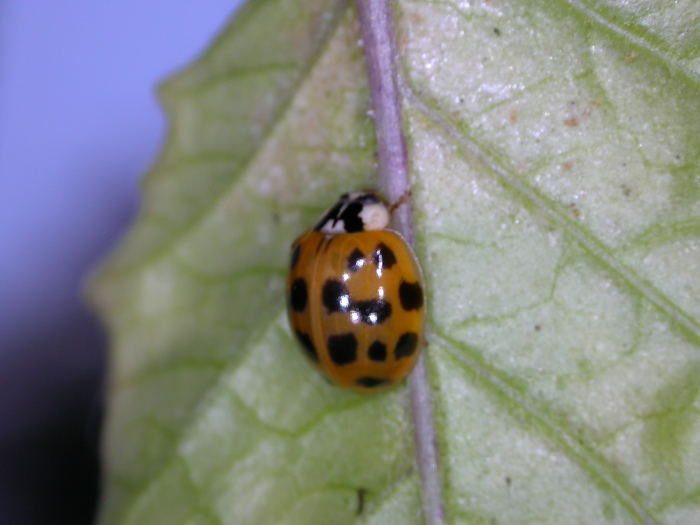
point(374, 216)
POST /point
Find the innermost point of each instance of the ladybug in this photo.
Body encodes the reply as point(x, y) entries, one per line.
point(356, 296)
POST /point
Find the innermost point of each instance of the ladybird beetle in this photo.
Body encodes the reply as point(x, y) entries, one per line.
point(355, 296)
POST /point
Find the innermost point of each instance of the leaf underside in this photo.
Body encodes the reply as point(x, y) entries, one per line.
point(556, 193)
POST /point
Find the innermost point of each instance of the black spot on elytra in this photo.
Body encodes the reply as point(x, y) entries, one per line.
point(377, 351)
point(411, 295)
point(342, 348)
point(335, 296)
point(356, 260)
point(298, 295)
point(372, 312)
point(372, 382)
point(307, 345)
point(295, 257)
point(383, 257)
point(406, 346)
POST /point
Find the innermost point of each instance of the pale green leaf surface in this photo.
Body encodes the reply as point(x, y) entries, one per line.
point(554, 160)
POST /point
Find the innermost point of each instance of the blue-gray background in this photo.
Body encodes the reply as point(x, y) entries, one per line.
point(79, 125)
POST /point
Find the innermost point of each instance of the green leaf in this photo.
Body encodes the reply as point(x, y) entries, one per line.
point(554, 150)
